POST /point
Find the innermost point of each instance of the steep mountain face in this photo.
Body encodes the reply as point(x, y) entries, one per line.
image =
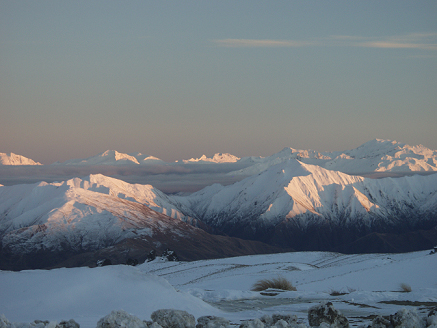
point(14, 159)
point(374, 156)
point(72, 222)
point(307, 207)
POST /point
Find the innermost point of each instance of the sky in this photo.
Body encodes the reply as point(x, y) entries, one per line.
point(180, 79)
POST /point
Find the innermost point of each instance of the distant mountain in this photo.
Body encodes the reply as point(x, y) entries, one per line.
point(113, 157)
point(78, 221)
point(374, 156)
point(14, 159)
point(307, 207)
point(217, 158)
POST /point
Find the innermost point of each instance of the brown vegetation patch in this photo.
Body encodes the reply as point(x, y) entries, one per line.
point(275, 283)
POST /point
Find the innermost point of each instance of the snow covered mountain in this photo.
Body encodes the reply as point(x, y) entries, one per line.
point(45, 224)
point(308, 207)
point(113, 157)
point(217, 158)
point(14, 159)
point(374, 156)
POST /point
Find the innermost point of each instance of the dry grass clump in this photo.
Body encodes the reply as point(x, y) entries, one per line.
point(335, 292)
point(275, 283)
point(405, 288)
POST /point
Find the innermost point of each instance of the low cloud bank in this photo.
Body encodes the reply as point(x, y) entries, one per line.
point(173, 178)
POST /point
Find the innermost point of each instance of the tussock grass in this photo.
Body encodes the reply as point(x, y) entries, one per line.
point(405, 288)
point(275, 283)
point(335, 292)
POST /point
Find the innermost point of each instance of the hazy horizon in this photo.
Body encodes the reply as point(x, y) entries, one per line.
point(179, 80)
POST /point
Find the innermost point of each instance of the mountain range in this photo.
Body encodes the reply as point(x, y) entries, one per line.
point(307, 207)
point(297, 202)
point(14, 159)
point(374, 156)
point(79, 221)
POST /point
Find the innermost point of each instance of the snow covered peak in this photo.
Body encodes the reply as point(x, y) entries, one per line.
point(376, 148)
point(109, 157)
point(14, 159)
point(113, 157)
point(217, 158)
point(377, 155)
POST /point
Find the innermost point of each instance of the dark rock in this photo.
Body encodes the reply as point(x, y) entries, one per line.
point(151, 256)
point(272, 320)
point(169, 318)
point(407, 318)
point(170, 255)
point(212, 322)
point(120, 318)
point(252, 324)
point(381, 322)
point(132, 262)
point(326, 313)
point(68, 324)
point(103, 262)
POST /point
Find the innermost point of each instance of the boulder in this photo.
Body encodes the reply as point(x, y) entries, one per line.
point(68, 324)
point(170, 318)
point(122, 319)
point(151, 256)
point(132, 262)
point(380, 322)
point(4, 322)
point(170, 255)
point(326, 313)
point(103, 262)
point(151, 324)
point(212, 322)
point(256, 323)
point(431, 319)
point(272, 320)
point(407, 319)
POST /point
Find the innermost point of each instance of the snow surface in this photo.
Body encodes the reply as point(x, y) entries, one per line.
point(222, 287)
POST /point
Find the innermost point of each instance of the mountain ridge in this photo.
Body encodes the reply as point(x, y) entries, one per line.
point(14, 159)
point(73, 222)
point(376, 155)
point(306, 199)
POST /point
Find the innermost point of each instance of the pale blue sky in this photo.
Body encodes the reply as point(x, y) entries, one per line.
point(181, 79)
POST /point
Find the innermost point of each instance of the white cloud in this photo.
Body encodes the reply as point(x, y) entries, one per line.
point(421, 41)
point(263, 43)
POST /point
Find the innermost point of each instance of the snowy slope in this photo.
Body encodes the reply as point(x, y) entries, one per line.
point(80, 215)
point(293, 196)
point(78, 221)
point(86, 213)
point(365, 279)
point(14, 159)
point(86, 295)
point(89, 294)
point(374, 156)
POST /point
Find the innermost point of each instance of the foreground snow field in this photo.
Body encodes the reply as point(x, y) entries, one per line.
point(371, 283)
